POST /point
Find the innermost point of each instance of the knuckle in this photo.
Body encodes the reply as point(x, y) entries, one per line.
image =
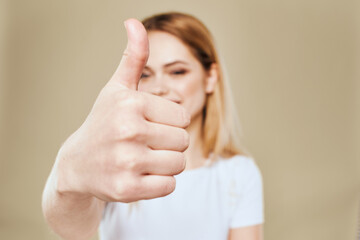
point(131, 130)
point(126, 53)
point(142, 58)
point(117, 193)
point(133, 56)
point(130, 162)
point(130, 100)
point(127, 131)
point(126, 190)
point(123, 96)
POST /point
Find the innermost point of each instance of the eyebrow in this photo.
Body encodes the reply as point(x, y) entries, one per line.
point(170, 64)
point(175, 62)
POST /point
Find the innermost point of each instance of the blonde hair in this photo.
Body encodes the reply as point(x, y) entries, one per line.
point(219, 129)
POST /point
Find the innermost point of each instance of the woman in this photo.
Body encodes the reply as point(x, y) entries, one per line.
point(219, 194)
point(132, 145)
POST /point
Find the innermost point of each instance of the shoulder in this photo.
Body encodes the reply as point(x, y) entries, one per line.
point(241, 169)
point(239, 163)
point(246, 191)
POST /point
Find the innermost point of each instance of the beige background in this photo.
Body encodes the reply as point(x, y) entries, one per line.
point(293, 66)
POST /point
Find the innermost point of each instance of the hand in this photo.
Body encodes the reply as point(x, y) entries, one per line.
point(131, 144)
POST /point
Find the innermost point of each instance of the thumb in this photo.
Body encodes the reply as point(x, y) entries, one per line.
point(129, 71)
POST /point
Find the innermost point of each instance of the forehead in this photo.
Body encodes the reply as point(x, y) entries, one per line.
point(165, 48)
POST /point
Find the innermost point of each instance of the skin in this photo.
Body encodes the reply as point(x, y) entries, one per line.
point(247, 233)
point(172, 72)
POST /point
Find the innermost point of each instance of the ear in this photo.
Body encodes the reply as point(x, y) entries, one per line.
point(212, 78)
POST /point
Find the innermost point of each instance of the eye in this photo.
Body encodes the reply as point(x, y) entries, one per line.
point(144, 75)
point(178, 72)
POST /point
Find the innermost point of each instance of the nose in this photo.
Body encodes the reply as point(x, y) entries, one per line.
point(159, 87)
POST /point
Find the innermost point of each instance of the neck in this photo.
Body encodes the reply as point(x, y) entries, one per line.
point(194, 155)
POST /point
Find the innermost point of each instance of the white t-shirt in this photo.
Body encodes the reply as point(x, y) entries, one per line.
point(206, 203)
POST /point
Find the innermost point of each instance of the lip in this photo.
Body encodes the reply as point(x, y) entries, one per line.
point(178, 102)
point(174, 100)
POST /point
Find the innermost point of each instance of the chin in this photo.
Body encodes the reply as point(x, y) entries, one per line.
point(196, 115)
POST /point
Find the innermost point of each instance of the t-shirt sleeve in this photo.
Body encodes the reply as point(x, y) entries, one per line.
point(249, 207)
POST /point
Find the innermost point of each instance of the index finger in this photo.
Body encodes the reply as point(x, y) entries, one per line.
point(163, 111)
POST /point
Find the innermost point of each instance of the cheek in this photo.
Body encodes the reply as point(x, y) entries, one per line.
point(189, 87)
point(193, 95)
point(143, 87)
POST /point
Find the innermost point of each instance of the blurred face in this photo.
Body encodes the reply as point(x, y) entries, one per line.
point(174, 73)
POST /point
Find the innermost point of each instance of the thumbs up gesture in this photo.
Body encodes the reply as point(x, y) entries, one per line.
point(131, 144)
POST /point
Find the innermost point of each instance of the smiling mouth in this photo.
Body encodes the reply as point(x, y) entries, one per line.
point(173, 100)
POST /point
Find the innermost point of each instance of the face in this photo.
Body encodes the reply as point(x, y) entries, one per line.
point(174, 73)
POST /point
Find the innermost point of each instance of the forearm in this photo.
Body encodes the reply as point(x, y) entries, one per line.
point(71, 216)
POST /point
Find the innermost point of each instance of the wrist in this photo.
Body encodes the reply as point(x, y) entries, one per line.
point(66, 181)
